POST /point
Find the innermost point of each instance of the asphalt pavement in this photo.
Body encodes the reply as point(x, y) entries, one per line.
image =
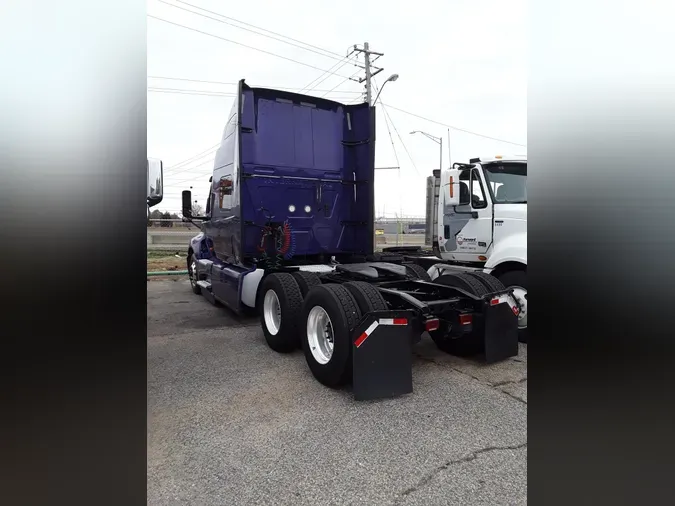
point(230, 422)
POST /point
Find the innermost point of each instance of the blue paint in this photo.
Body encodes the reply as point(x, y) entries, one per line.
point(288, 158)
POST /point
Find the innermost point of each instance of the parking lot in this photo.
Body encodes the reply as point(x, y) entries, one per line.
point(232, 422)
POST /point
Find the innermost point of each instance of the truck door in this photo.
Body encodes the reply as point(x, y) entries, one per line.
point(468, 226)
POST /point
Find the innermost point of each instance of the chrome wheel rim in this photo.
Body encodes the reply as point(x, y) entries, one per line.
point(320, 336)
point(191, 272)
point(272, 312)
point(520, 294)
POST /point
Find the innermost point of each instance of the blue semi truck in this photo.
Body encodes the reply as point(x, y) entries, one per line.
point(288, 233)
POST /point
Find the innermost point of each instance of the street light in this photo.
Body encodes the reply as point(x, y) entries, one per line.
point(437, 140)
point(391, 78)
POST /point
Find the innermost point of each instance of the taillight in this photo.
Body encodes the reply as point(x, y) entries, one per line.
point(465, 319)
point(432, 324)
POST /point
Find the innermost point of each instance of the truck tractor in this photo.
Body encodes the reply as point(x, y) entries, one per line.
point(477, 220)
point(288, 233)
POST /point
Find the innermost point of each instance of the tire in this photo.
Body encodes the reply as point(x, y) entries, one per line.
point(280, 290)
point(342, 310)
point(463, 281)
point(491, 283)
point(468, 344)
point(191, 266)
point(418, 272)
point(305, 281)
point(518, 279)
point(367, 297)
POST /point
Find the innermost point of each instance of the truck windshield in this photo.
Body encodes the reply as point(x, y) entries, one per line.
point(508, 182)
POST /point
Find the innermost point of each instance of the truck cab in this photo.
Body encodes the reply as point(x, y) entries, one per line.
point(482, 205)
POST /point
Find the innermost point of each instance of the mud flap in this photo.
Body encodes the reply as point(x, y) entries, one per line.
point(500, 332)
point(382, 355)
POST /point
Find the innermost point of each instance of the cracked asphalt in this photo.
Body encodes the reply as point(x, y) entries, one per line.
point(232, 422)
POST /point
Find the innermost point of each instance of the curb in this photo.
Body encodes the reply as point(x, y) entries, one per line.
point(167, 273)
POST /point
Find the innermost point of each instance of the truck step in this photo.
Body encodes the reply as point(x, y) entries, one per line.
point(206, 291)
point(204, 285)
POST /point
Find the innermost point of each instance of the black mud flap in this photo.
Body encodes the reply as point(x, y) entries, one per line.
point(382, 355)
point(500, 332)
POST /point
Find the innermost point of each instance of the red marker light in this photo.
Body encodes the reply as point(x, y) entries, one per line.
point(465, 319)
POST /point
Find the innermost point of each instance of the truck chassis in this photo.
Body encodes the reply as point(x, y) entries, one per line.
point(357, 322)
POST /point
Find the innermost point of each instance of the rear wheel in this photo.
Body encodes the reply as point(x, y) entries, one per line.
point(330, 314)
point(491, 283)
point(462, 281)
point(417, 272)
point(517, 281)
point(192, 273)
point(305, 281)
point(465, 344)
point(367, 296)
point(280, 304)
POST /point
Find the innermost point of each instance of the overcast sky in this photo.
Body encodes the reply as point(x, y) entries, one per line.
point(461, 63)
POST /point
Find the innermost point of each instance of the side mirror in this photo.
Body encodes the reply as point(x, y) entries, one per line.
point(155, 181)
point(187, 204)
point(452, 188)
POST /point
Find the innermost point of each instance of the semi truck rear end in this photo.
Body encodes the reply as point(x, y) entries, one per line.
point(288, 234)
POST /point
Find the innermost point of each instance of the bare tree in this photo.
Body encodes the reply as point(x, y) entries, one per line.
point(197, 210)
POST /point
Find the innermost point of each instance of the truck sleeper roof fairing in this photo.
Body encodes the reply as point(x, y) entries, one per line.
point(302, 162)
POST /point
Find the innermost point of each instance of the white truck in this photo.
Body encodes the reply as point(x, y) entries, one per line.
point(477, 220)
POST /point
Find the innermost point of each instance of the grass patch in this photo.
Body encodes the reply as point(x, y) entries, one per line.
point(166, 261)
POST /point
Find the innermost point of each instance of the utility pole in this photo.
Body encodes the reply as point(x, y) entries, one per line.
point(368, 67)
point(440, 161)
point(449, 159)
point(366, 57)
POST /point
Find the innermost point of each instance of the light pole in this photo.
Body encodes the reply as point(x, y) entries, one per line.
point(437, 140)
point(391, 78)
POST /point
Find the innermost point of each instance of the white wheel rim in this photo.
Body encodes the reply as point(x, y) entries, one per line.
point(320, 335)
point(272, 312)
point(193, 270)
point(520, 294)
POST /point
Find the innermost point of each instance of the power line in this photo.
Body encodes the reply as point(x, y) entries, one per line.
point(397, 134)
point(264, 29)
point(233, 84)
point(207, 93)
point(193, 168)
point(318, 80)
point(240, 44)
point(400, 138)
point(391, 138)
point(338, 57)
point(453, 127)
point(201, 154)
point(341, 83)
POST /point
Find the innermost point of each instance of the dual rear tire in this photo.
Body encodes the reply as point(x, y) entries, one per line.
point(475, 283)
point(479, 283)
point(297, 310)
